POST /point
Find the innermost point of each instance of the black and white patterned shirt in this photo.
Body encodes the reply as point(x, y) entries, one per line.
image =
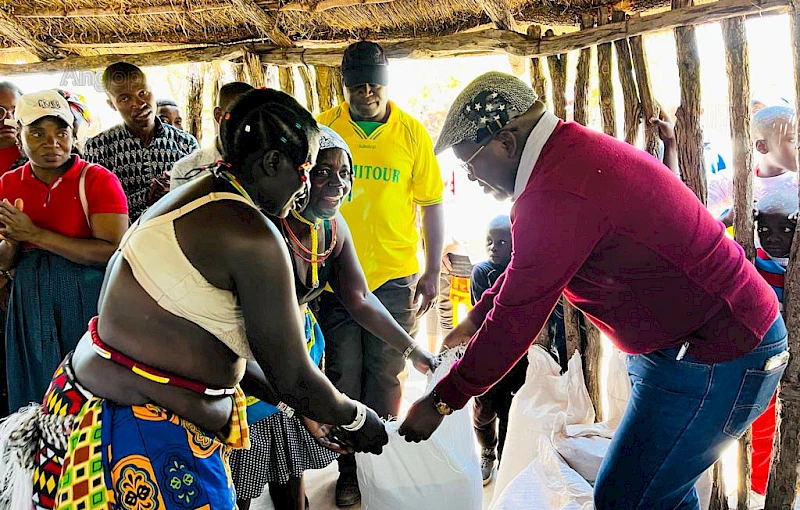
point(119, 150)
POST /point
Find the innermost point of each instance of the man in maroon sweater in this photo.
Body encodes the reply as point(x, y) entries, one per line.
point(632, 247)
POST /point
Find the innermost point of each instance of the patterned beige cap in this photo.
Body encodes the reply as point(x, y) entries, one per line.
point(483, 108)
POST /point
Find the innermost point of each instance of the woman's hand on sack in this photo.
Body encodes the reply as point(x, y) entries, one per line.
point(370, 438)
point(423, 361)
point(16, 225)
point(461, 335)
point(422, 420)
point(323, 435)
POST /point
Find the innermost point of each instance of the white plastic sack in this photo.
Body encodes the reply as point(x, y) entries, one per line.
point(547, 483)
point(545, 394)
point(442, 472)
point(582, 446)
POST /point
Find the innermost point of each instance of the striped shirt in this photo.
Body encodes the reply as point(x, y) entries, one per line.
point(772, 272)
point(122, 152)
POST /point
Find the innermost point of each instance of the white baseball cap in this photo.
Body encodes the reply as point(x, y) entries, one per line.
point(45, 103)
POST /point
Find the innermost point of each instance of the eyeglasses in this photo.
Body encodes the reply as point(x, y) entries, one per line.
point(467, 165)
point(5, 113)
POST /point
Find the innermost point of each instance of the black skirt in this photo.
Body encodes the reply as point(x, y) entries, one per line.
point(280, 448)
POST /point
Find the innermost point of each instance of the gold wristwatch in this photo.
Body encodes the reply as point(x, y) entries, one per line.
point(440, 406)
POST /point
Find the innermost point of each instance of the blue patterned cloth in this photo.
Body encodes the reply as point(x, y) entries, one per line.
point(52, 301)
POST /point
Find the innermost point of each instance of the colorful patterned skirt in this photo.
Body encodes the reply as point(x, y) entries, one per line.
point(94, 454)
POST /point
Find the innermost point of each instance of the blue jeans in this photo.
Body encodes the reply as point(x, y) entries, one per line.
point(680, 418)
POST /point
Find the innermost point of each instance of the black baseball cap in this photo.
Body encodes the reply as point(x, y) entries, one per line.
point(365, 62)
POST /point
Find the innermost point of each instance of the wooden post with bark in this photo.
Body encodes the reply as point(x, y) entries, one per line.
point(216, 82)
point(719, 501)
point(649, 108)
point(254, 69)
point(239, 72)
point(338, 84)
point(630, 94)
point(737, 64)
point(308, 83)
point(538, 78)
point(688, 133)
point(286, 79)
point(572, 328)
point(782, 489)
point(580, 107)
point(604, 59)
point(558, 75)
point(194, 100)
point(324, 87)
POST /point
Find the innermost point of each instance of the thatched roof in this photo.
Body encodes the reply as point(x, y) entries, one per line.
point(50, 29)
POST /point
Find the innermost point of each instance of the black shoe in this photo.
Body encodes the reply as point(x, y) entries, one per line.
point(347, 492)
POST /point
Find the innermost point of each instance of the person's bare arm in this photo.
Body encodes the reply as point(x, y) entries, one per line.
point(107, 231)
point(350, 286)
point(433, 232)
point(261, 270)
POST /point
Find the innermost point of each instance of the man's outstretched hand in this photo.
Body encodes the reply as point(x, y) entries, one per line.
point(422, 420)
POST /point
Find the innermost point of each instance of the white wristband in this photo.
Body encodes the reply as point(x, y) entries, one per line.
point(408, 351)
point(359, 420)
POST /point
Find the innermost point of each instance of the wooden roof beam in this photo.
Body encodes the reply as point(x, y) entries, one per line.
point(503, 19)
point(158, 58)
point(461, 44)
point(149, 10)
point(14, 31)
point(324, 5)
point(260, 18)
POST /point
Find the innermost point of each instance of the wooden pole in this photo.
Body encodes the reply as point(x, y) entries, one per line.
point(688, 133)
point(194, 101)
point(538, 78)
point(592, 356)
point(649, 108)
point(338, 84)
point(719, 501)
point(324, 87)
point(311, 98)
point(737, 64)
point(580, 110)
point(254, 69)
point(572, 328)
point(604, 59)
point(558, 75)
point(782, 489)
point(286, 79)
point(216, 82)
point(633, 107)
point(240, 73)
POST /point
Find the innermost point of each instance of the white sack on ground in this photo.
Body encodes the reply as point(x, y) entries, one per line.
point(535, 407)
point(442, 472)
point(547, 483)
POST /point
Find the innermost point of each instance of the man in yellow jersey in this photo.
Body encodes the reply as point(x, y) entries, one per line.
point(395, 174)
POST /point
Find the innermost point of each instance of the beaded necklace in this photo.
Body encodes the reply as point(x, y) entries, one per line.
point(298, 248)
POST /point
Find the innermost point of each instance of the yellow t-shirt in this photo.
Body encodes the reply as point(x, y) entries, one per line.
point(394, 171)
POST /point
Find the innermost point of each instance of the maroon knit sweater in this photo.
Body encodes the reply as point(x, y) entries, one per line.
point(627, 243)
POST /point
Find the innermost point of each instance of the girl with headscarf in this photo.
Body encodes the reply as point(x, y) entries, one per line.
point(322, 254)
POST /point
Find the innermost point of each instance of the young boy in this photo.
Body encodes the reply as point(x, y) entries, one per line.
point(775, 226)
point(773, 134)
point(495, 403)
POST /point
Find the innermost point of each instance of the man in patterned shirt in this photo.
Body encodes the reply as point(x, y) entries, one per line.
point(141, 150)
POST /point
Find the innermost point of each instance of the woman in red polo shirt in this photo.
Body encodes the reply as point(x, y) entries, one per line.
point(62, 218)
